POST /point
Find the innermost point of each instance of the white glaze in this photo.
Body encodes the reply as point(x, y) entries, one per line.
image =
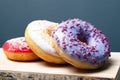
point(35, 31)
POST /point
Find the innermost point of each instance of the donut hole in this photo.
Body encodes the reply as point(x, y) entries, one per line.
point(81, 37)
point(84, 41)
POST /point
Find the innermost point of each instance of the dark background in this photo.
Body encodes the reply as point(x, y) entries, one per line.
point(16, 14)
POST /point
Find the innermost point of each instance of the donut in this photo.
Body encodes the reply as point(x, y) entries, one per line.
point(38, 37)
point(18, 50)
point(81, 44)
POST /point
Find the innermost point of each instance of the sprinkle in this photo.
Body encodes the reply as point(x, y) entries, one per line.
point(73, 21)
point(78, 55)
point(77, 24)
point(94, 60)
point(71, 27)
point(75, 44)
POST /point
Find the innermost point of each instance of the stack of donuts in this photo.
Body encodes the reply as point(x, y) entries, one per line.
point(73, 41)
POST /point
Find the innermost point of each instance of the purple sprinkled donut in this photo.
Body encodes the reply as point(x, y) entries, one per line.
point(82, 41)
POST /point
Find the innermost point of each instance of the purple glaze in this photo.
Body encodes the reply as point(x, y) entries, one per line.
point(69, 36)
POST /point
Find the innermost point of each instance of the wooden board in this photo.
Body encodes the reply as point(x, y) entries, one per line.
point(43, 70)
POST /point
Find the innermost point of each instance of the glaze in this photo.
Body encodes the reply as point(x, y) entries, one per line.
point(82, 41)
point(16, 45)
point(36, 30)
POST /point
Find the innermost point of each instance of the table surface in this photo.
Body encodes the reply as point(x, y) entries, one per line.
point(110, 70)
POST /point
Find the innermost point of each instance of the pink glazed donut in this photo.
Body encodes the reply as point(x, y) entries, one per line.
point(81, 44)
point(17, 49)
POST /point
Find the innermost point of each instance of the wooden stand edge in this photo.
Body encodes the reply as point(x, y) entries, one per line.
point(15, 75)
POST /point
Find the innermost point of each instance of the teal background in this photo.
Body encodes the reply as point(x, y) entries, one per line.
point(103, 14)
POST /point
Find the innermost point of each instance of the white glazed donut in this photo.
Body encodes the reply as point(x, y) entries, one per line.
point(38, 37)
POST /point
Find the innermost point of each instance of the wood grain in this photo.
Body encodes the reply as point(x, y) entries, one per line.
point(40, 70)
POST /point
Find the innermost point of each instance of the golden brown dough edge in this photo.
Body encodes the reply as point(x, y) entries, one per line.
point(41, 53)
point(21, 56)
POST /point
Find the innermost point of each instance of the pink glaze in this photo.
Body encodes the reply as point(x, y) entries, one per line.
point(16, 45)
point(82, 41)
